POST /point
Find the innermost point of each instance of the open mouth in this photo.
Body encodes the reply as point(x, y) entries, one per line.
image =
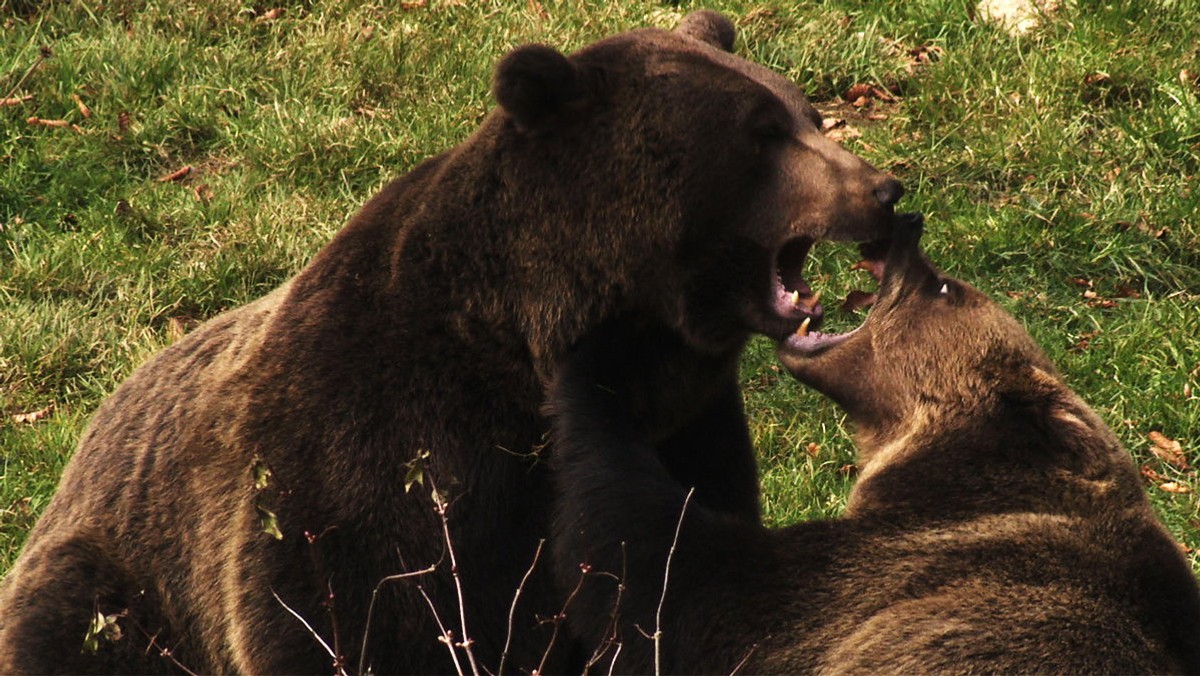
point(794, 299)
point(807, 340)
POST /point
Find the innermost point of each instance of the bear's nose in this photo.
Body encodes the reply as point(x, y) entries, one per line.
point(889, 192)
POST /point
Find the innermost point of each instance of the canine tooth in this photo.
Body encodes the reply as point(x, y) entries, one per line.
point(945, 289)
point(803, 330)
point(816, 298)
point(795, 298)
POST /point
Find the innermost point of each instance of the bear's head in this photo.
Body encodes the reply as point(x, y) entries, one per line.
point(931, 348)
point(699, 183)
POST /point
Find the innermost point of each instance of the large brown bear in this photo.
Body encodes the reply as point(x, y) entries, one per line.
point(258, 467)
point(997, 525)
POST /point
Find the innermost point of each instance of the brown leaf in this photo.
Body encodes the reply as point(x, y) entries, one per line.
point(1174, 487)
point(858, 91)
point(1084, 340)
point(83, 109)
point(271, 14)
point(1124, 291)
point(1151, 476)
point(32, 416)
point(1081, 281)
point(1168, 450)
point(812, 449)
point(848, 470)
point(842, 132)
point(39, 122)
point(15, 100)
point(177, 175)
point(203, 192)
point(123, 121)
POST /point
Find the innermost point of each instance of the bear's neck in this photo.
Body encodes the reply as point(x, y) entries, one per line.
point(1001, 458)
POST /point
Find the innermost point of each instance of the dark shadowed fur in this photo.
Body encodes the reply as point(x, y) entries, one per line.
point(997, 525)
point(652, 174)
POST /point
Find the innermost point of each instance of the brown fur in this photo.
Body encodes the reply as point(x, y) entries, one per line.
point(652, 175)
point(997, 525)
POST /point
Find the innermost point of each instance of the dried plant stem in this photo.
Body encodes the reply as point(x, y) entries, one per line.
point(43, 54)
point(440, 506)
point(339, 670)
point(584, 569)
point(513, 608)
point(362, 654)
point(613, 620)
point(666, 577)
point(447, 636)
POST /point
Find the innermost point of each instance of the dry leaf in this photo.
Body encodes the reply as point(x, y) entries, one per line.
point(1081, 281)
point(842, 132)
point(857, 91)
point(1174, 487)
point(271, 14)
point(83, 109)
point(39, 122)
point(848, 470)
point(1084, 340)
point(123, 121)
point(1151, 475)
point(1168, 450)
point(812, 449)
point(203, 192)
point(15, 100)
point(413, 4)
point(32, 416)
point(177, 175)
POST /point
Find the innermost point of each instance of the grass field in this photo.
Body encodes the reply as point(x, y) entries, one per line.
point(1058, 170)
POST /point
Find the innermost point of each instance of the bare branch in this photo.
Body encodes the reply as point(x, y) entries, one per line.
point(340, 671)
point(440, 506)
point(513, 608)
point(613, 619)
point(584, 569)
point(744, 660)
point(666, 577)
point(362, 655)
point(447, 637)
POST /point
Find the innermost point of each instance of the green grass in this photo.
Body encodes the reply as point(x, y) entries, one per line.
point(1040, 160)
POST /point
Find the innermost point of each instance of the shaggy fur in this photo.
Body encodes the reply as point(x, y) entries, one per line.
point(997, 525)
point(652, 175)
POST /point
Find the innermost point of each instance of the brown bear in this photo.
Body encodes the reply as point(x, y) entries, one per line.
point(997, 525)
point(249, 482)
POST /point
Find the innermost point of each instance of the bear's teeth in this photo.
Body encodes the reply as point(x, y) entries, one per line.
point(795, 298)
point(816, 298)
point(803, 330)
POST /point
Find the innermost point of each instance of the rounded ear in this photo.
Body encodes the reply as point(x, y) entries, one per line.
point(534, 82)
point(709, 26)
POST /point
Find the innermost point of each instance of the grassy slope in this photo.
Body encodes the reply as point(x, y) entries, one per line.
point(1034, 170)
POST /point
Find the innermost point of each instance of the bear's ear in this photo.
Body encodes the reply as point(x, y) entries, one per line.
point(534, 82)
point(709, 26)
